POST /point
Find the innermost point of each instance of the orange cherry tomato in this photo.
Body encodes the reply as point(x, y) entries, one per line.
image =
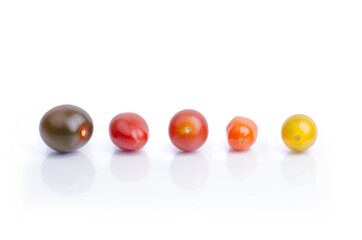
point(241, 133)
point(188, 130)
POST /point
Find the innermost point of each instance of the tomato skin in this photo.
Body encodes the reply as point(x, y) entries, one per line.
point(66, 128)
point(129, 131)
point(241, 133)
point(299, 132)
point(188, 130)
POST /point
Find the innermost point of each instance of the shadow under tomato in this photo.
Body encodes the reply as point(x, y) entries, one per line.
point(129, 166)
point(68, 173)
point(299, 167)
point(189, 170)
point(241, 164)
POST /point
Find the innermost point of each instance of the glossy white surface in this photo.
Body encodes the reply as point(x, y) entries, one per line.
point(265, 60)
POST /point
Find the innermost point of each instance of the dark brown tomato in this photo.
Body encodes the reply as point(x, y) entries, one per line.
point(66, 128)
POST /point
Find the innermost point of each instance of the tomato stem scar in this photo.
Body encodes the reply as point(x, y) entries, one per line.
point(187, 129)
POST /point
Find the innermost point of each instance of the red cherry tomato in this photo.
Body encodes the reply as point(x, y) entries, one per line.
point(128, 131)
point(241, 133)
point(188, 130)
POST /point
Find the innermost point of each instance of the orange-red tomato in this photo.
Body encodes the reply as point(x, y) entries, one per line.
point(241, 133)
point(188, 130)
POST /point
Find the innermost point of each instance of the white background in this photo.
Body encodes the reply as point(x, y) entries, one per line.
point(265, 60)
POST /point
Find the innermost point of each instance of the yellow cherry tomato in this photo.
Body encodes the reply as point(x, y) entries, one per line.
point(299, 132)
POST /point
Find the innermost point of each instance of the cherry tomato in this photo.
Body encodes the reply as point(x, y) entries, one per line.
point(188, 130)
point(128, 131)
point(66, 128)
point(241, 133)
point(299, 132)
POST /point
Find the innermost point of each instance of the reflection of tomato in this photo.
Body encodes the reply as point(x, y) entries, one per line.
point(241, 133)
point(188, 130)
point(299, 132)
point(128, 131)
